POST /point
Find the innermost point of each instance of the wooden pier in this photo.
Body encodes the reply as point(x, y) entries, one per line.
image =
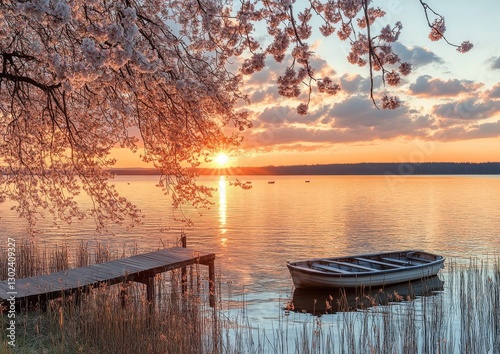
point(141, 268)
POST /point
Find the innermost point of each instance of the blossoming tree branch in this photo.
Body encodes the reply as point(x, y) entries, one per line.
point(78, 78)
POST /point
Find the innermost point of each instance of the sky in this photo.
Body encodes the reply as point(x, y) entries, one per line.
point(451, 101)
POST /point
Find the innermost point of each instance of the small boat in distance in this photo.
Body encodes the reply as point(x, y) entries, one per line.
point(307, 181)
point(365, 270)
point(270, 182)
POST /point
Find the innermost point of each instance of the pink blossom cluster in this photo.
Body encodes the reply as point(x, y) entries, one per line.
point(288, 85)
point(465, 47)
point(373, 14)
point(437, 29)
point(326, 29)
point(256, 63)
point(390, 35)
point(390, 102)
point(304, 30)
point(350, 8)
point(302, 109)
point(392, 78)
point(328, 86)
point(301, 53)
point(405, 69)
point(279, 46)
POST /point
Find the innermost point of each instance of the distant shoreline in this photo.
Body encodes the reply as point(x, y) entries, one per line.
point(368, 168)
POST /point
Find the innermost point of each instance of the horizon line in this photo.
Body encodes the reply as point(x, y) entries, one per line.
point(363, 168)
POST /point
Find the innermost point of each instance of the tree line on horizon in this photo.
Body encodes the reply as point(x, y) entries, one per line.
point(367, 168)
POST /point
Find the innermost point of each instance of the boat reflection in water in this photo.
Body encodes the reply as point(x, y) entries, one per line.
point(332, 300)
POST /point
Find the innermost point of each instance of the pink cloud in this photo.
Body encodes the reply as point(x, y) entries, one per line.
point(427, 86)
point(417, 56)
point(469, 109)
point(494, 92)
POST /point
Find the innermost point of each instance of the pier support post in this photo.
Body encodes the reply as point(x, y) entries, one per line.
point(150, 290)
point(211, 279)
point(184, 270)
point(124, 293)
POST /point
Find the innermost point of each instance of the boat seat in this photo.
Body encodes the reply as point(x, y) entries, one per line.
point(385, 264)
point(399, 261)
point(423, 260)
point(353, 265)
point(331, 269)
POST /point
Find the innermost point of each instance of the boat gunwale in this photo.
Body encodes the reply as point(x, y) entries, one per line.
point(362, 274)
point(411, 267)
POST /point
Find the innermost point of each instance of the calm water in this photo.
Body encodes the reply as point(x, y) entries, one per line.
point(253, 232)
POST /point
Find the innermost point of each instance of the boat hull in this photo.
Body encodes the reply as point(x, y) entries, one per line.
point(304, 277)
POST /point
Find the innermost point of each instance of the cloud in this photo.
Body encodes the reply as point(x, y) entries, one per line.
point(495, 63)
point(356, 120)
point(358, 115)
point(359, 110)
point(353, 120)
point(494, 92)
point(356, 83)
point(467, 132)
point(262, 87)
point(417, 56)
point(264, 95)
point(485, 130)
point(427, 86)
point(468, 109)
point(272, 70)
point(279, 115)
point(267, 75)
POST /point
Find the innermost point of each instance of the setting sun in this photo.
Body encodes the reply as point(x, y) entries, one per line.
point(221, 159)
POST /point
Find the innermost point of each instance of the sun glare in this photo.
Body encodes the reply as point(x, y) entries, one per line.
point(221, 160)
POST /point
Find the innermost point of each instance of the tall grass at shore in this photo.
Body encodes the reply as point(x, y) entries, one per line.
point(463, 318)
point(32, 259)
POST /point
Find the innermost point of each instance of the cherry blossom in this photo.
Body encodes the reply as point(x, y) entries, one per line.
point(392, 78)
point(390, 102)
point(438, 28)
point(465, 47)
point(405, 69)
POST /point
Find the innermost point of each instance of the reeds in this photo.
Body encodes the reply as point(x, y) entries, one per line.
point(97, 323)
point(463, 318)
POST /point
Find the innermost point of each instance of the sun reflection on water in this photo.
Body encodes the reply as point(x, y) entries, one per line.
point(222, 209)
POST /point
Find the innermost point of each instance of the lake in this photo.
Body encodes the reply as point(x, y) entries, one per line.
point(253, 232)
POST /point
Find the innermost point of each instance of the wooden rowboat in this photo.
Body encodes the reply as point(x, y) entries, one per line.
point(365, 270)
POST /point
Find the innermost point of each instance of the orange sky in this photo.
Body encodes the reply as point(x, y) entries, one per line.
point(483, 150)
